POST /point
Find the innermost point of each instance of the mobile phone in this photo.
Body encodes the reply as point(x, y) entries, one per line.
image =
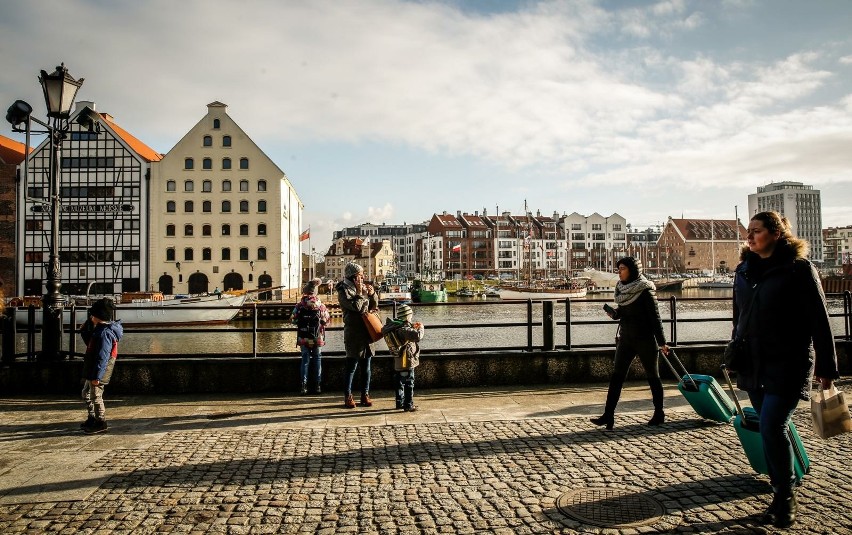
point(609, 310)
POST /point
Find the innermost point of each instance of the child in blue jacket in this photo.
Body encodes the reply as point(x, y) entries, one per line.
point(101, 335)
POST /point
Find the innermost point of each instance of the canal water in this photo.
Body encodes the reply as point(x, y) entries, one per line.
point(443, 321)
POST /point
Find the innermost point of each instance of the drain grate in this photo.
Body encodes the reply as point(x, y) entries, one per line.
point(611, 507)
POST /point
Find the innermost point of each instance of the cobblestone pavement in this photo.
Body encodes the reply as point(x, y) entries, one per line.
point(501, 461)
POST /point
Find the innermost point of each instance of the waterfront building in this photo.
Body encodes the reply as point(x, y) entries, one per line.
point(837, 246)
point(595, 241)
point(403, 241)
point(642, 244)
point(223, 214)
point(800, 204)
point(700, 246)
point(374, 255)
point(11, 155)
point(103, 234)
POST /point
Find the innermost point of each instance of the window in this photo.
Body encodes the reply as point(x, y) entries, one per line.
point(187, 253)
point(187, 230)
point(226, 206)
point(216, 124)
point(208, 141)
point(170, 186)
point(261, 206)
point(188, 186)
point(226, 141)
point(243, 163)
point(170, 230)
point(207, 207)
point(226, 230)
point(261, 253)
point(244, 207)
point(226, 163)
point(261, 229)
point(261, 185)
point(206, 230)
point(243, 253)
point(188, 207)
point(226, 253)
point(170, 255)
point(188, 163)
point(207, 254)
point(207, 186)
point(226, 185)
point(207, 163)
point(170, 207)
point(244, 230)
point(244, 185)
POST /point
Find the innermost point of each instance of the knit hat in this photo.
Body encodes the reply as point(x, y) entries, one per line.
point(404, 312)
point(352, 269)
point(103, 309)
point(311, 287)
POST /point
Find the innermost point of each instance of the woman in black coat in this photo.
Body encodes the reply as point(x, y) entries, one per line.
point(641, 333)
point(780, 311)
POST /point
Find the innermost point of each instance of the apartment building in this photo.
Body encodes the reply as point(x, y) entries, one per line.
point(800, 204)
point(837, 246)
point(402, 238)
point(223, 214)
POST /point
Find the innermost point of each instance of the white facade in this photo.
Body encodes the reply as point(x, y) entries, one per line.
point(595, 240)
point(223, 215)
point(103, 223)
point(800, 204)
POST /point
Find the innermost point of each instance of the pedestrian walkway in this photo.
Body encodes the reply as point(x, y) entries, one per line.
point(511, 460)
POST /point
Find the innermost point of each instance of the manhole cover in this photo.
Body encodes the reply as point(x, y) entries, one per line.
point(609, 507)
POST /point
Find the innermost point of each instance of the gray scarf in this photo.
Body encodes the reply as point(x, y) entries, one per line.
point(626, 293)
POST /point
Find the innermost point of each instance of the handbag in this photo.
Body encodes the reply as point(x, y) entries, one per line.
point(829, 413)
point(374, 325)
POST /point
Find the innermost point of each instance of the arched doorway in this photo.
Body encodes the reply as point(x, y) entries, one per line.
point(166, 284)
point(198, 283)
point(233, 281)
point(264, 281)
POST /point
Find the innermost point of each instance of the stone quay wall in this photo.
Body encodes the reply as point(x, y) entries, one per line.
point(180, 374)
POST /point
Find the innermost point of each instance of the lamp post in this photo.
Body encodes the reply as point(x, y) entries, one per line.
point(60, 90)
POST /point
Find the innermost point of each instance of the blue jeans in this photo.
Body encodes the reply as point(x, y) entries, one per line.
point(775, 412)
point(308, 354)
point(405, 389)
point(352, 364)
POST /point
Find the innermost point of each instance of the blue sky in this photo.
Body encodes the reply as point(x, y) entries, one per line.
point(387, 111)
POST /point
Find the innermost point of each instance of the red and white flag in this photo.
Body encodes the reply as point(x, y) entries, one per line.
point(457, 248)
point(305, 235)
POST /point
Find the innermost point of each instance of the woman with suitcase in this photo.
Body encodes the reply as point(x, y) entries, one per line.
point(787, 338)
point(641, 333)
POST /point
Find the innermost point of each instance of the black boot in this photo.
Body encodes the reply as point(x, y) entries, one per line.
point(657, 396)
point(658, 418)
point(606, 419)
point(785, 509)
point(612, 395)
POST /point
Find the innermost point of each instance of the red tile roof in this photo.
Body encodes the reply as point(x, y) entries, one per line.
point(700, 229)
point(142, 149)
point(11, 151)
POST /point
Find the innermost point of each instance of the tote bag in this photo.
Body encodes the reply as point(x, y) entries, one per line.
point(829, 413)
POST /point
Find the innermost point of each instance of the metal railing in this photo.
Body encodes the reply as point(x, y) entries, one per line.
point(548, 324)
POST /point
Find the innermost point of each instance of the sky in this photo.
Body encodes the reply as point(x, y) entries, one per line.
point(387, 111)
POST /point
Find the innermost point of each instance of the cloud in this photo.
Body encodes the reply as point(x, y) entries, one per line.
point(380, 215)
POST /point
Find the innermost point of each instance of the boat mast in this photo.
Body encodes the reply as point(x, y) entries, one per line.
point(712, 250)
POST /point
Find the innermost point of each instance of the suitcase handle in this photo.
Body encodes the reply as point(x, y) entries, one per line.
point(680, 363)
point(733, 392)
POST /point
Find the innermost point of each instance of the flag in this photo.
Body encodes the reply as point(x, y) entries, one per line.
point(456, 248)
point(305, 235)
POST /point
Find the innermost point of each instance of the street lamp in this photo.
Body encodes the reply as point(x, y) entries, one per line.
point(60, 90)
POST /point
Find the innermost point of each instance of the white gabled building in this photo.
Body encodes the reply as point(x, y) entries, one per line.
point(223, 214)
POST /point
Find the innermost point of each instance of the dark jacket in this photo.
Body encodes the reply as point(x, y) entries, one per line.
point(101, 349)
point(640, 319)
point(407, 337)
point(787, 329)
point(355, 305)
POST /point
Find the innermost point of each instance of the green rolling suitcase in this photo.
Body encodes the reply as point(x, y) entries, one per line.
point(703, 393)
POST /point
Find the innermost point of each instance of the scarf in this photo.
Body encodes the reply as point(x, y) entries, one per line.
point(626, 293)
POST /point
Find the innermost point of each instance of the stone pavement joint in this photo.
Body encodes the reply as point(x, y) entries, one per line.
point(470, 461)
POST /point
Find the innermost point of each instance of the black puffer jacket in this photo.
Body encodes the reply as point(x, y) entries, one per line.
point(787, 328)
point(641, 319)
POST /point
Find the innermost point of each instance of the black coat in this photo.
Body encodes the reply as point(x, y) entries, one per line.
point(786, 324)
point(641, 319)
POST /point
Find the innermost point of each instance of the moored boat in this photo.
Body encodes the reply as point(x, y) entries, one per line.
point(428, 292)
point(394, 290)
point(539, 292)
point(150, 308)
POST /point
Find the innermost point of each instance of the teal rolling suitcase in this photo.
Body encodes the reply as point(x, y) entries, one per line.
point(703, 393)
point(747, 426)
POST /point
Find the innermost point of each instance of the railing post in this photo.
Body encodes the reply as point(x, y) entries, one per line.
point(31, 351)
point(547, 326)
point(673, 314)
point(568, 323)
point(529, 325)
point(72, 340)
point(254, 330)
point(847, 313)
point(7, 322)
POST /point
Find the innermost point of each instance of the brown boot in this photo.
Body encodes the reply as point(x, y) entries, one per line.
point(366, 401)
point(349, 401)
